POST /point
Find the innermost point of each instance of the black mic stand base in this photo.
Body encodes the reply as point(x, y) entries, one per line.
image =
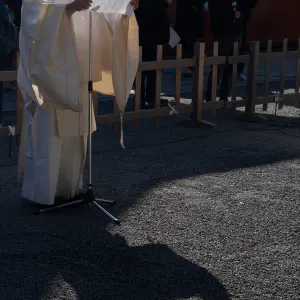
point(86, 197)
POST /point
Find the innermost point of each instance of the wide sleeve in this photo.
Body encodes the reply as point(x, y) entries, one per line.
point(120, 57)
point(49, 58)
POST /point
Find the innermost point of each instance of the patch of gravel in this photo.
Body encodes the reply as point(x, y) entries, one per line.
point(205, 215)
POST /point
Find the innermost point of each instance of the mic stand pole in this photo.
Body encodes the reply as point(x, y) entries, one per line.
point(88, 196)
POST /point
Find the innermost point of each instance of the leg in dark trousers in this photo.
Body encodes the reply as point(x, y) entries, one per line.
point(224, 71)
point(188, 48)
point(148, 78)
point(243, 46)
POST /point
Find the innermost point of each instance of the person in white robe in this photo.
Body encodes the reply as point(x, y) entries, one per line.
point(53, 77)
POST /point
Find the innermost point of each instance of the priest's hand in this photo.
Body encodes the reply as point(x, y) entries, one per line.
point(78, 5)
point(135, 4)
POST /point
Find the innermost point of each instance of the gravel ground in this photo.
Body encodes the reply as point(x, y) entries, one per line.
point(204, 215)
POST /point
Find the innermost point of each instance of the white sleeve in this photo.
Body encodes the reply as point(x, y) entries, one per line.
point(52, 63)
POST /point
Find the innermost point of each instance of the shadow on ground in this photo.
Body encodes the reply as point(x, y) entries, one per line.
point(70, 256)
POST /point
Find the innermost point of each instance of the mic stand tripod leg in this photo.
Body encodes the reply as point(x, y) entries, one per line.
point(105, 201)
point(106, 212)
point(87, 197)
point(60, 206)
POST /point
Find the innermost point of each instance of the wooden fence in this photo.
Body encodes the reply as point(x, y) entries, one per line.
point(197, 63)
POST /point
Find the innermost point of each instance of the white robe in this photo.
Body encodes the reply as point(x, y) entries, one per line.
point(53, 76)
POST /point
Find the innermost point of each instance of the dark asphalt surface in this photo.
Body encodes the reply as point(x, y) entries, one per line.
point(205, 215)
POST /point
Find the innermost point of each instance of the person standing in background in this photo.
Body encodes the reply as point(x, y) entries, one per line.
point(8, 36)
point(8, 44)
point(15, 6)
point(223, 17)
point(242, 24)
point(154, 30)
point(190, 24)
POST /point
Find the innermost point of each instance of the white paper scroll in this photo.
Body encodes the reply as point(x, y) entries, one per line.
point(174, 38)
point(55, 2)
point(122, 7)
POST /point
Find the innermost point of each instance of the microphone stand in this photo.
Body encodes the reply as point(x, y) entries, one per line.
point(88, 196)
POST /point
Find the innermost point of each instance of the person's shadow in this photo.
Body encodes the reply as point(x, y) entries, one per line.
point(67, 255)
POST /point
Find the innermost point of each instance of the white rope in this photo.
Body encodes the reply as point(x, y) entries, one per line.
point(173, 111)
point(122, 134)
point(12, 130)
point(278, 101)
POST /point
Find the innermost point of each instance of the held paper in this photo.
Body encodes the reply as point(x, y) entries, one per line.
point(174, 38)
point(54, 2)
point(112, 7)
point(122, 7)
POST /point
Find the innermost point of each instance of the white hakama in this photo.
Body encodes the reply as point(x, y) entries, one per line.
point(53, 165)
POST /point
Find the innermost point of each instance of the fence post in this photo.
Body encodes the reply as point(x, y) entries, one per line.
point(1, 101)
point(198, 81)
point(252, 78)
point(178, 80)
point(159, 56)
point(298, 71)
point(20, 106)
point(138, 90)
point(282, 73)
point(267, 75)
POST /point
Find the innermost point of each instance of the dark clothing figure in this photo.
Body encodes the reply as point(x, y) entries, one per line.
point(189, 23)
point(242, 24)
point(154, 30)
point(223, 27)
point(153, 22)
point(242, 32)
point(246, 7)
point(15, 6)
point(8, 36)
point(221, 17)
